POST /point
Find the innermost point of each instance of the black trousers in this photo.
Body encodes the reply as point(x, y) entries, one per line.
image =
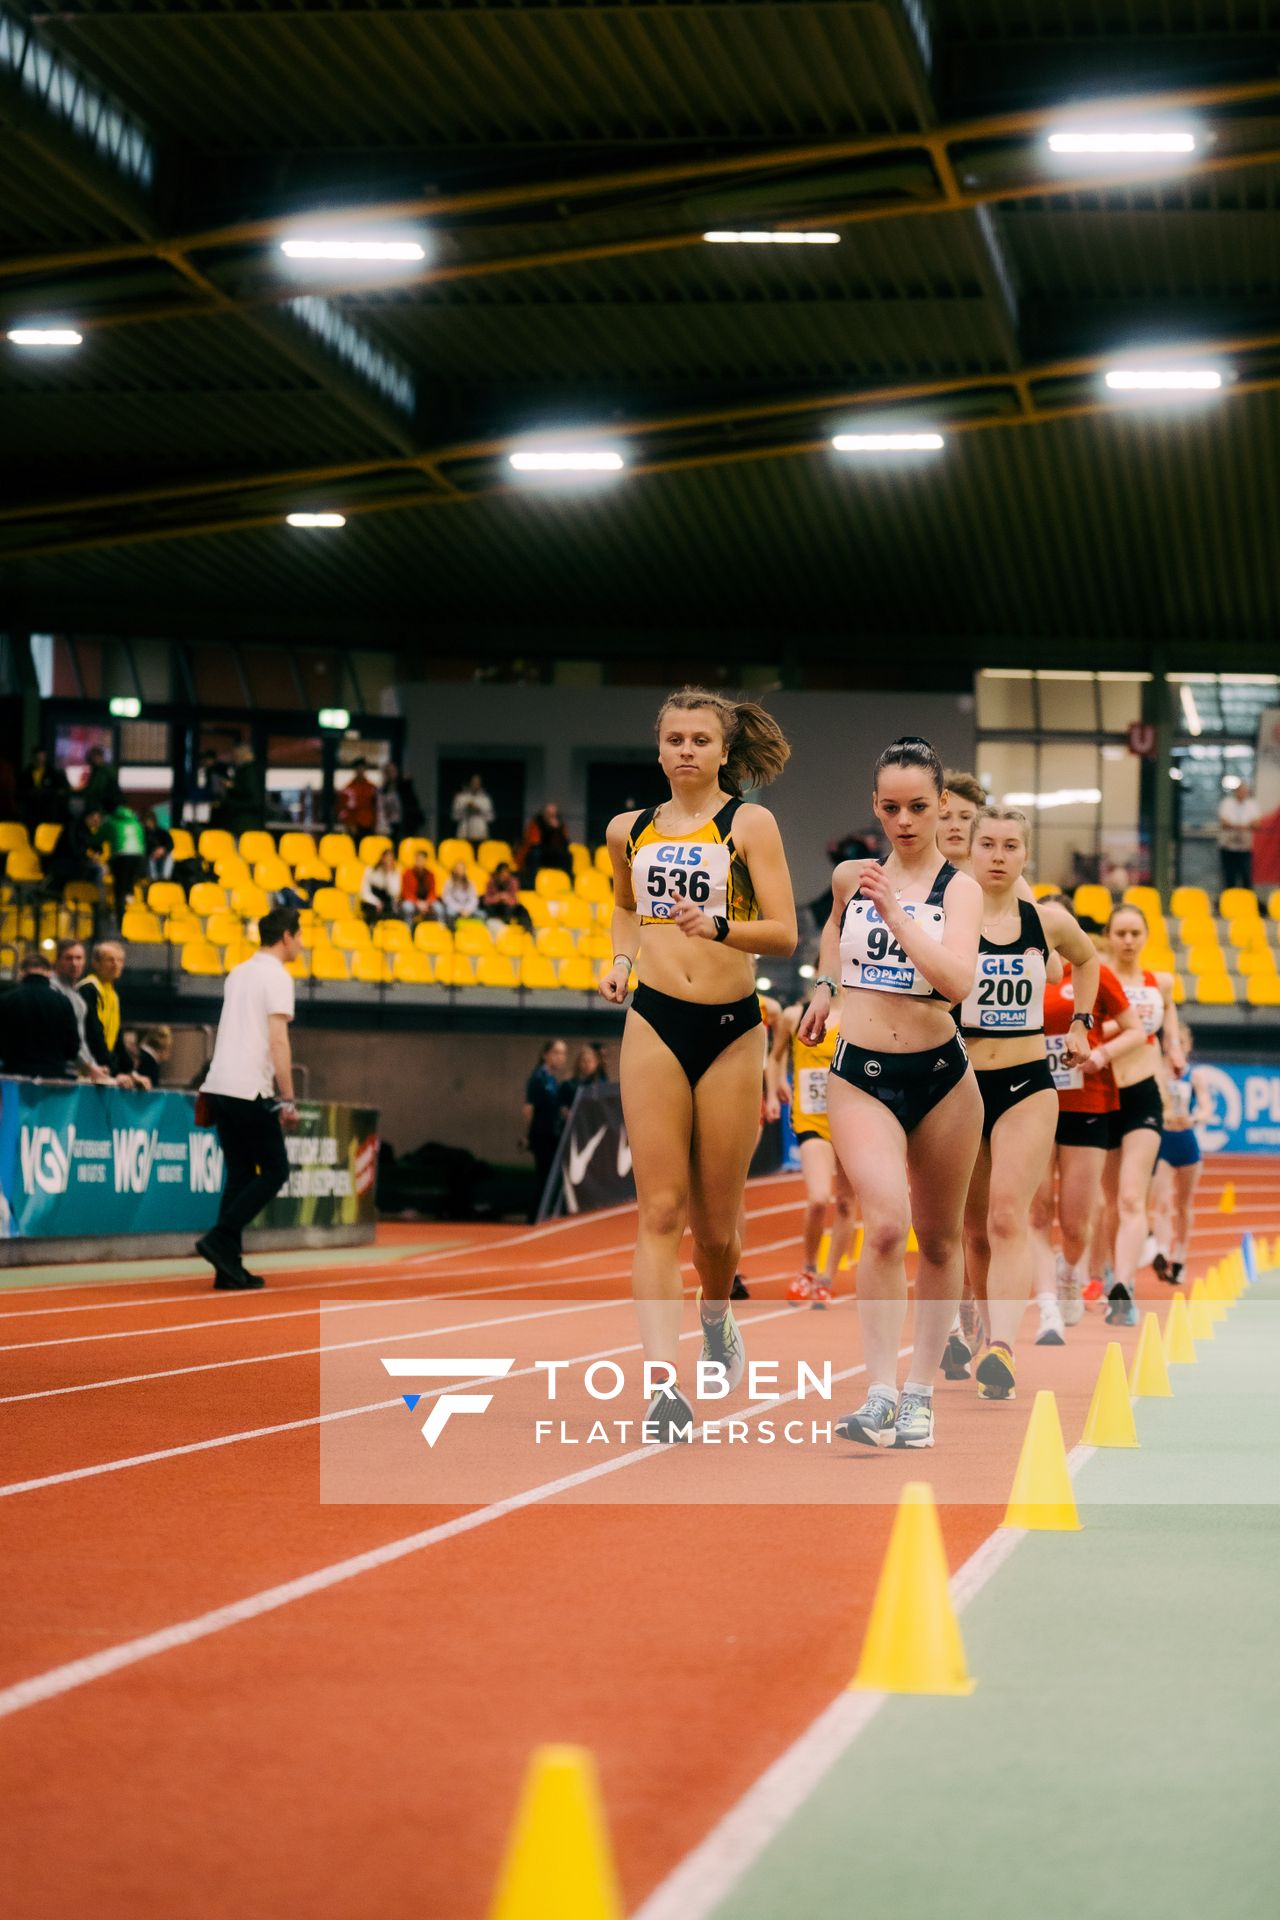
point(1237, 868)
point(544, 1152)
point(257, 1164)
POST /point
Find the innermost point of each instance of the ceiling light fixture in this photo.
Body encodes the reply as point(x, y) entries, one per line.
point(375, 250)
point(1122, 140)
point(45, 337)
point(1164, 380)
point(567, 460)
point(770, 237)
point(888, 442)
point(316, 519)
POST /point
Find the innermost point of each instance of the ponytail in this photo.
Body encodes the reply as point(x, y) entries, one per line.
point(909, 750)
point(756, 744)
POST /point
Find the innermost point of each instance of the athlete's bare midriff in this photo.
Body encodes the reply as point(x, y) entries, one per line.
point(986, 1051)
point(893, 1022)
point(700, 970)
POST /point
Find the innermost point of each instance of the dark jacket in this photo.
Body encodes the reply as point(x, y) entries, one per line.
point(245, 805)
point(116, 1058)
point(39, 1038)
point(45, 800)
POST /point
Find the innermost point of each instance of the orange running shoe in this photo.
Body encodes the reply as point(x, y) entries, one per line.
point(801, 1288)
point(1092, 1292)
point(822, 1295)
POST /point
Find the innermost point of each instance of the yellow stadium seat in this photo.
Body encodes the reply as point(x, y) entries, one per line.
point(215, 844)
point(538, 973)
point(48, 834)
point(595, 946)
point(184, 846)
point(237, 953)
point(327, 963)
point(1206, 960)
point(572, 913)
point(495, 970)
point(1045, 889)
point(232, 871)
point(602, 861)
point(1092, 903)
point(317, 935)
point(1157, 957)
point(1255, 960)
point(1238, 903)
point(578, 974)
point(300, 967)
point(295, 846)
point(257, 845)
point(580, 856)
point(1197, 930)
point(373, 968)
point(473, 937)
point(23, 864)
point(348, 877)
point(494, 854)
point(272, 875)
point(456, 970)
point(182, 927)
point(1215, 990)
point(550, 883)
point(198, 956)
point(352, 936)
point(535, 906)
point(1190, 900)
point(453, 850)
point(414, 969)
point(139, 923)
point(205, 898)
point(392, 936)
point(1248, 933)
point(430, 937)
point(337, 847)
point(514, 943)
point(408, 850)
point(332, 904)
point(166, 896)
point(555, 943)
point(1263, 990)
point(1179, 990)
point(251, 902)
point(224, 929)
point(372, 848)
point(13, 835)
point(594, 887)
point(82, 893)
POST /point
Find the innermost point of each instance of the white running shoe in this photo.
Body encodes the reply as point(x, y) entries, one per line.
point(1051, 1322)
point(722, 1342)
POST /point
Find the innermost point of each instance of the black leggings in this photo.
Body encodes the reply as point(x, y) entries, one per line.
point(696, 1032)
point(257, 1161)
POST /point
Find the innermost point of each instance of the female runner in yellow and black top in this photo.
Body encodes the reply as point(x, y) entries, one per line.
point(700, 888)
point(905, 1112)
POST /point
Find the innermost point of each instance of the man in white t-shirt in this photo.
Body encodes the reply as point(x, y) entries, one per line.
point(251, 1058)
point(1238, 815)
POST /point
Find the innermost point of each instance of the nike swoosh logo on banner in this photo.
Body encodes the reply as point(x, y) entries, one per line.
point(580, 1157)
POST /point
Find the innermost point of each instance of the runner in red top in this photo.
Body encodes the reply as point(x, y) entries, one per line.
point(1087, 1098)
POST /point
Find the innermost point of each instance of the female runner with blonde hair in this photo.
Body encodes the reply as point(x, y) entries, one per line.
point(904, 1110)
point(700, 889)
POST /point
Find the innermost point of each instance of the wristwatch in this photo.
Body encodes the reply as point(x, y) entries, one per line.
point(1086, 1018)
point(721, 925)
point(825, 980)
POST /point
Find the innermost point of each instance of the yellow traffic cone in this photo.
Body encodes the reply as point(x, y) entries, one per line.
point(1214, 1294)
point(855, 1251)
point(1200, 1311)
point(824, 1248)
point(1043, 1497)
point(558, 1863)
point(913, 1642)
point(1179, 1347)
point(1150, 1376)
point(913, 1245)
point(1227, 1204)
point(1110, 1418)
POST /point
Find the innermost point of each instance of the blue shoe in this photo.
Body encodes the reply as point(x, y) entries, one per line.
point(1122, 1310)
point(874, 1424)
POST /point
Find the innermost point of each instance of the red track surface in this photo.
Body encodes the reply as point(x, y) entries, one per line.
point(361, 1749)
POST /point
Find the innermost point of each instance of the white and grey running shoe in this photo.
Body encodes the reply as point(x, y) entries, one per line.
point(670, 1417)
point(722, 1342)
point(873, 1425)
point(1052, 1321)
point(914, 1424)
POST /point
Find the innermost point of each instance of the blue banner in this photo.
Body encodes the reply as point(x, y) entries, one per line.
point(81, 1161)
point(1246, 1109)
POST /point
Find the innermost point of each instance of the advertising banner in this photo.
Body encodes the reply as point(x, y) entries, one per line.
point(1246, 1109)
point(80, 1161)
point(593, 1163)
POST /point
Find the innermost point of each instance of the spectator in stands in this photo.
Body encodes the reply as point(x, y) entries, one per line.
point(358, 803)
point(128, 842)
point(545, 844)
point(159, 847)
point(39, 1039)
point(1238, 815)
point(244, 807)
point(418, 891)
point(459, 899)
point(589, 1069)
point(213, 777)
point(543, 1116)
point(154, 1050)
point(101, 789)
point(400, 812)
point(380, 890)
point(45, 796)
point(81, 855)
point(102, 1022)
point(251, 1060)
point(68, 969)
point(472, 811)
point(502, 898)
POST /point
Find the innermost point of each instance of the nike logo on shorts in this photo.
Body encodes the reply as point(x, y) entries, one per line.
point(1021, 1084)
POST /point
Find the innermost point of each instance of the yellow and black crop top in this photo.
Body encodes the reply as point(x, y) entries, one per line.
point(704, 867)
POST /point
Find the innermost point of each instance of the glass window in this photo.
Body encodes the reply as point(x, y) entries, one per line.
point(1006, 699)
point(295, 779)
point(1068, 702)
point(1120, 695)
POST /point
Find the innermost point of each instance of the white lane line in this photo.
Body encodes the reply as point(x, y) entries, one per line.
point(719, 1862)
point(183, 1633)
point(252, 1319)
point(311, 1420)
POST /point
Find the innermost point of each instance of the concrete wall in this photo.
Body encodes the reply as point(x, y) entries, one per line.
point(835, 738)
